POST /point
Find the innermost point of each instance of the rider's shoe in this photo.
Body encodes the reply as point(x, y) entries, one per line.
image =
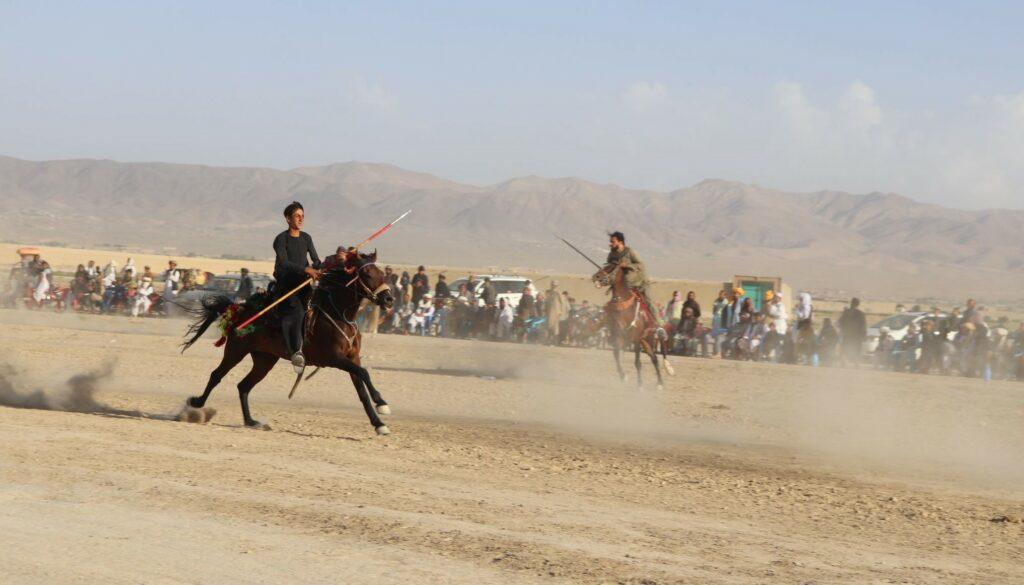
point(298, 362)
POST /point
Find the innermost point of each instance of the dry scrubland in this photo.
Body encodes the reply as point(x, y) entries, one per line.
point(552, 471)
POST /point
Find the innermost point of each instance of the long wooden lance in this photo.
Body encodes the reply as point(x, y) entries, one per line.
point(310, 280)
point(580, 252)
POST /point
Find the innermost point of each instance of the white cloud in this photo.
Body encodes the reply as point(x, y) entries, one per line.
point(372, 96)
point(859, 105)
point(643, 96)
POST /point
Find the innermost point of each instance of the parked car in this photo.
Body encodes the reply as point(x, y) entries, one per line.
point(898, 325)
point(509, 288)
point(224, 284)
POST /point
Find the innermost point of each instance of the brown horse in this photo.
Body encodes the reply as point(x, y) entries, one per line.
point(332, 339)
point(627, 320)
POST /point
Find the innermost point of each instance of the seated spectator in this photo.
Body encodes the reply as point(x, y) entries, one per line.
point(904, 352)
point(142, 302)
point(751, 339)
point(423, 315)
point(691, 334)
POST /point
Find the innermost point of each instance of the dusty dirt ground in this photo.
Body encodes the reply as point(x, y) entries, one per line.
point(551, 471)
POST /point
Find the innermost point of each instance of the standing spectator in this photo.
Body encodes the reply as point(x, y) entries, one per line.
point(147, 272)
point(553, 311)
point(674, 309)
point(779, 315)
point(734, 310)
point(933, 345)
point(1018, 351)
point(420, 285)
point(142, 301)
point(244, 286)
point(441, 290)
point(970, 313)
point(529, 287)
point(44, 281)
point(405, 284)
point(172, 282)
point(91, 270)
point(853, 326)
point(129, 270)
point(487, 293)
point(563, 326)
point(505, 320)
point(748, 308)
point(80, 271)
point(827, 342)
point(805, 339)
point(691, 303)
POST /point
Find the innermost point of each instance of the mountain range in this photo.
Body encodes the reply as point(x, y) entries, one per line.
point(881, 245)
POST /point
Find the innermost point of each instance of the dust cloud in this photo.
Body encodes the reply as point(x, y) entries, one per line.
point(75, 394)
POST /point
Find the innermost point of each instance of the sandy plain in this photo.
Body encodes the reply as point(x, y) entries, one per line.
point(507, 464)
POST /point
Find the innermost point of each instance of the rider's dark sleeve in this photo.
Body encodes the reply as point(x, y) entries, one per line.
point(313, 257)
point(281, 263)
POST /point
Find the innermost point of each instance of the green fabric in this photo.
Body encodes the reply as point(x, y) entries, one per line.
point(636, 276)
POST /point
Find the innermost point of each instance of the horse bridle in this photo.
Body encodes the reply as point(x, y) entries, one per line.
point(365, 291)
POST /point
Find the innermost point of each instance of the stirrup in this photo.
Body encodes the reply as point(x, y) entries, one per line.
point(298, 362)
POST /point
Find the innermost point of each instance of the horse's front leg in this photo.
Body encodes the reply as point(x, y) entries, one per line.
point(616, 350)
point(650, 350)
point(378, 400)
point(360, 377)
point(636, 362)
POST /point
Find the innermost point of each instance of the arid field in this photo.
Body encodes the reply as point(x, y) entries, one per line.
point(507, 464)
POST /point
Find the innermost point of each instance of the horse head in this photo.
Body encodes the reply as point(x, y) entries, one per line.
point(360, 273)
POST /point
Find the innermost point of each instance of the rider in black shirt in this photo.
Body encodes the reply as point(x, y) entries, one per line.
point(296, 260)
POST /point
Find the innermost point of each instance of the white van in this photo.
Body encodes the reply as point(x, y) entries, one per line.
point(509, 288)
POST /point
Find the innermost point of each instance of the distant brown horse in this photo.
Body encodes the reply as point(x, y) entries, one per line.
point(627, 321)
point(332, 339)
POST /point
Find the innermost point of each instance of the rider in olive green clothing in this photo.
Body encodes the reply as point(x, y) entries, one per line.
point(624, 257)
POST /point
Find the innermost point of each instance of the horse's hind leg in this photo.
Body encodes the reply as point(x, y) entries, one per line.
point(262, 363)
point(636, 362)
point(229, 360)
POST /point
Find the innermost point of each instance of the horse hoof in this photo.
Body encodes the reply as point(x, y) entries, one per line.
point(383, 430)
point(192, 414)
point(668, 368)
point(383, 409)
point(259, 426)
point(193, 402)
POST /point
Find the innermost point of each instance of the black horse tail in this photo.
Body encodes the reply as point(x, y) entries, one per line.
point(209, 311)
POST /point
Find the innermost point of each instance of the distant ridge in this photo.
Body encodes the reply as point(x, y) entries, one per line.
point(827, 240)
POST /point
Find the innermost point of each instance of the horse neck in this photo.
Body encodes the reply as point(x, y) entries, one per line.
point(342, 299)
point(619, 288)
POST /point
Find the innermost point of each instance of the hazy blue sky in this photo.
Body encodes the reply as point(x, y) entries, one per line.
point(925, 99)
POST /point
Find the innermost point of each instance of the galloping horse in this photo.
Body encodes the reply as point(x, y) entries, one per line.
point(332, 339)
point(627, 321)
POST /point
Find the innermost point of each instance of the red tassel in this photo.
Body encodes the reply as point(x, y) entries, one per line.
point(220, 342)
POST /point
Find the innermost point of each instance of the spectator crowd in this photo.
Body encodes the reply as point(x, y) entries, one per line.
point(106, 290)
point(962, 341)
